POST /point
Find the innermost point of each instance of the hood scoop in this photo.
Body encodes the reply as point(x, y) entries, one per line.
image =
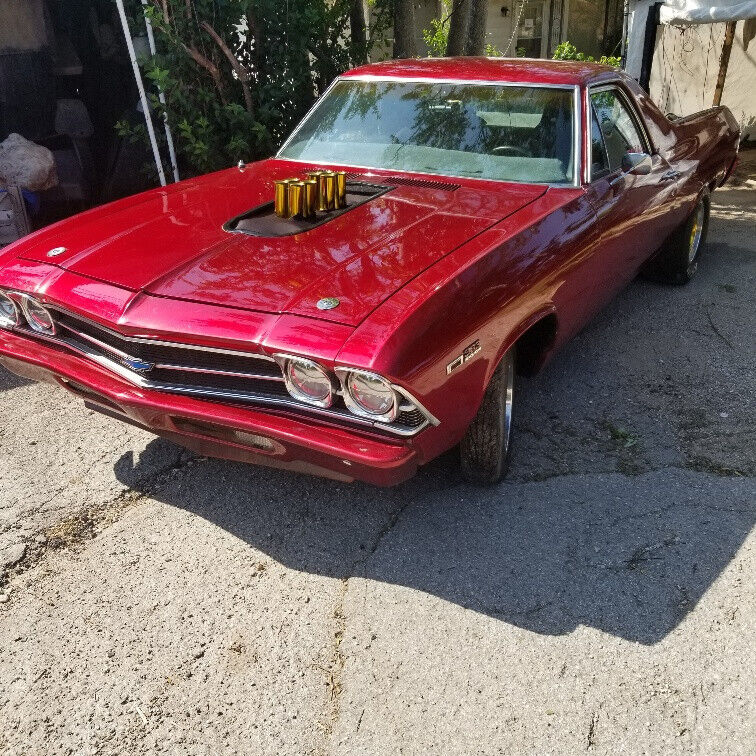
point(265, 221)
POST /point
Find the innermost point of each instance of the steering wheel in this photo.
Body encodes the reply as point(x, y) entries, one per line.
point(508, 149)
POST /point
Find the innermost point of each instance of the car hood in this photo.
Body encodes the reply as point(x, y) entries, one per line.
point(171, 242)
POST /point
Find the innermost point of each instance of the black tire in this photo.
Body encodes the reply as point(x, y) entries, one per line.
point(486, 447)
point(677, 261)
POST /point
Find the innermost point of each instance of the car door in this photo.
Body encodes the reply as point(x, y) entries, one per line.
point(633, 211)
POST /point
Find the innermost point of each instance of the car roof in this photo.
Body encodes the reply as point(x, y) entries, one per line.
point(530, 70)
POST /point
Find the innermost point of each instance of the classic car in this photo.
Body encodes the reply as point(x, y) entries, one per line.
point(359, 304)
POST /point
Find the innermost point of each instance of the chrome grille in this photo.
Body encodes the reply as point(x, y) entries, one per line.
point(215, 374)
point(170, 356)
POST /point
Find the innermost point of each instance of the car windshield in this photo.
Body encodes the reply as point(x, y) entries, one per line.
point(508, 133)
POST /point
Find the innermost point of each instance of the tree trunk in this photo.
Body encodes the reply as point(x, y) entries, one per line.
point(458, 23)
point(476, 32)
point(357, 27)
point(404, 29)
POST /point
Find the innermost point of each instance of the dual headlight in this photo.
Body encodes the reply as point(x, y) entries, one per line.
point(35, 314)
point(9, 315)
point(365, 394)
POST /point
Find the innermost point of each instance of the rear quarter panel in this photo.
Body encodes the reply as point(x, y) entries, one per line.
point(702, 146)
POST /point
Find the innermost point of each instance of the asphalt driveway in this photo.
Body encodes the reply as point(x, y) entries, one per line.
point(601, 600)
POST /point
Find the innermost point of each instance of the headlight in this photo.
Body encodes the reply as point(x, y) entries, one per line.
point(306, 380)
point(37, 316)
point(369, 395)
point(8, 311)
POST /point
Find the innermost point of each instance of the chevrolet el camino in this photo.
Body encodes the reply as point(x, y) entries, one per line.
point(360, 303)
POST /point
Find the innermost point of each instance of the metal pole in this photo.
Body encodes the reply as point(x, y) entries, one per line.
point(161, 96)
point(142, 94)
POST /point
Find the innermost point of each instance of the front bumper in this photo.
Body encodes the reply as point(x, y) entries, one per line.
point(245, 434)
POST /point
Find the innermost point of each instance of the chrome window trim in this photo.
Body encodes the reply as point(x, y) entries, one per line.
point(589, 146)
point(576, 125)
point(635, 116)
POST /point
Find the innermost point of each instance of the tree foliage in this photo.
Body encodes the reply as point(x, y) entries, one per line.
point(238, 74)
point(568, 51)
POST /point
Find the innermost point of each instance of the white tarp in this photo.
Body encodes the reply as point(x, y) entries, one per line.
point(699, 12)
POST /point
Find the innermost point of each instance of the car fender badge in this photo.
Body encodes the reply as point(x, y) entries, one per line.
point(469, 352)
point(56, 251)
point(328, 303)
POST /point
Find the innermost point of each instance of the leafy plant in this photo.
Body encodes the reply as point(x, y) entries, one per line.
point(568, 51)
point(239, 74)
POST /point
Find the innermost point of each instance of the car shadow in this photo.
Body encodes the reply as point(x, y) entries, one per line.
point(627, 555)
point(10, 380)
point(631, 491)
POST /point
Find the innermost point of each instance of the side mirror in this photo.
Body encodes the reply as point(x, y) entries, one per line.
point(636, 163)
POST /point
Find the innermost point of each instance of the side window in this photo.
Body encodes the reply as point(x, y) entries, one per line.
point(599, 159)
point(620, 133)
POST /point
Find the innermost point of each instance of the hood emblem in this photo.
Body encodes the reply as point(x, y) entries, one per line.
point(328, 303)
point(137, 365)
point(56, 251)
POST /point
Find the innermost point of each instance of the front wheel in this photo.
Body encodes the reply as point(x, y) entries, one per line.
point(486, 446)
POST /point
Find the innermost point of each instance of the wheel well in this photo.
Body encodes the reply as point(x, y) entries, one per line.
point(535, 343)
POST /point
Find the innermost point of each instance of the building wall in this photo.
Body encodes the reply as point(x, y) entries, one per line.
point(686, 64)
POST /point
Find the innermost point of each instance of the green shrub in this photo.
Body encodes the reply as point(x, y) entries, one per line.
point(239, 74)
point(568, 51)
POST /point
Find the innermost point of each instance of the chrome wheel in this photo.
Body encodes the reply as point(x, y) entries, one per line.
point(508, 402)
point(696, 232)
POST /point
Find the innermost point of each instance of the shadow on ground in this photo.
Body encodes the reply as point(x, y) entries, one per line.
point(10, 380)
point(630, 489)
point(628, 555)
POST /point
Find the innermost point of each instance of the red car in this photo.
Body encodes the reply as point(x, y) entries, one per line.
point(359, 304)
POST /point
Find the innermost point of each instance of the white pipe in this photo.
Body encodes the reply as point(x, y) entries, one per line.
point(161, 96)
point(142, 94)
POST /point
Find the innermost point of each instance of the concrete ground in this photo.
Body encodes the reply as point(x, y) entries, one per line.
point(601, 600)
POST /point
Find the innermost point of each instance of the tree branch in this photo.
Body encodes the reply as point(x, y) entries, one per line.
point(211, 68)
point(241, 71)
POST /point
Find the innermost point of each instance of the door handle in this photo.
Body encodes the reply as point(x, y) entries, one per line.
point(670, 175)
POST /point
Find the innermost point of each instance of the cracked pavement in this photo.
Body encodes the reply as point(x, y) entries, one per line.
point(601, 600)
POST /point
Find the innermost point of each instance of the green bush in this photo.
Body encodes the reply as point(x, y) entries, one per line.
point(568, 51)
point(239, 74)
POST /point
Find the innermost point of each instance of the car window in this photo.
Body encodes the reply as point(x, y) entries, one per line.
point(620, 133)
point(599, 159)
point(511, 133)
